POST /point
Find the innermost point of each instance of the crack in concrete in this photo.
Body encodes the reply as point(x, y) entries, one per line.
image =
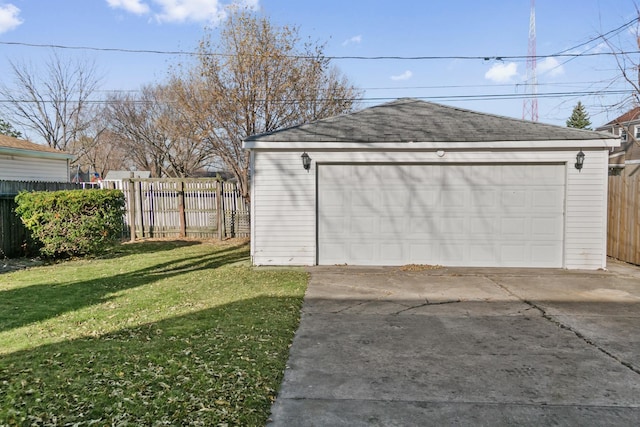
point(350, 306)
point(561, 325)
point(427, 303)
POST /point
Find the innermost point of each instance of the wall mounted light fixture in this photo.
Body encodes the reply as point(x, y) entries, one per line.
point(579, 160)
point(306, 161)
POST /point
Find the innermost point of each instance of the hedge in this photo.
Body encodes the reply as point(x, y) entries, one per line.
point(72, 222)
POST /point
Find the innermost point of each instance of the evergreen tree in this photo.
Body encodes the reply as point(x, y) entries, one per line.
point(579, 118)
point(7, 129)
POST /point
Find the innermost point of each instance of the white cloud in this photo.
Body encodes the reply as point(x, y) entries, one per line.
point(355, 39)
point(189, 10)
point(404, 76)
point(211, 11)
point(502, 73)
point(134, 6)
point(9, 18)
point(550, 66)
point(198, 10)
point(601, 47)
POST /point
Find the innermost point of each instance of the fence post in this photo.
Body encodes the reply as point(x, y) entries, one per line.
point(132, 208)
point(219, 213)
point(181, 212)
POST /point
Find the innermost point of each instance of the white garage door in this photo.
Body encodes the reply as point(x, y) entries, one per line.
point(452, 215)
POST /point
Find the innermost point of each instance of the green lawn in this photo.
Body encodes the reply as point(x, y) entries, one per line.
point(155, 333)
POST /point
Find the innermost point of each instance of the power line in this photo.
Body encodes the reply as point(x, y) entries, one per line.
point(483, 97)
point(363, 58)
point(602, 36)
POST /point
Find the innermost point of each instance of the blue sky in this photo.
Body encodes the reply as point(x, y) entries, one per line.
point(497, 30)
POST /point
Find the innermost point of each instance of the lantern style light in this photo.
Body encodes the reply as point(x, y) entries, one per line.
point(579, 160)
point(306, 161)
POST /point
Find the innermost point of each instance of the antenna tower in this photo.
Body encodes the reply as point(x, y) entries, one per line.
point(530, 104)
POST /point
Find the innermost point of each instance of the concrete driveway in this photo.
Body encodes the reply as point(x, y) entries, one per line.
point(451, 346)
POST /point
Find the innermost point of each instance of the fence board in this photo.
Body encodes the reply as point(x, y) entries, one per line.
point(157, 211)
point(623, 231)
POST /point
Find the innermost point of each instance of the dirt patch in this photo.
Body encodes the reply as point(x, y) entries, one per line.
point(14, 264)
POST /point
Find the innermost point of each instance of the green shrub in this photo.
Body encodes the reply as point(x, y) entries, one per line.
point(72, 222)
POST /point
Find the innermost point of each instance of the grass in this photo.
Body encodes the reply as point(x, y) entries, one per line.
point(156, 333)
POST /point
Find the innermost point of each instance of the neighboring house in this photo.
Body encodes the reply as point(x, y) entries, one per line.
point(120, 175)
point(411, 182)
point(627, 127)
point(115, 179)
point(22, 160)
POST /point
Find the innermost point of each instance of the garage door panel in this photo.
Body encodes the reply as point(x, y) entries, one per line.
point(546, 174)
point(545, 228)
point(423, 227)
point(513, 199)
point(483, 199)
point(478, 215)
point(452, 226)
point(362, 225)
point(361, 253)
point(452, 199)
point(547, 198)
point(418, 252)
point(421, 199)
point(542, 254)
point(483, 227)
point(513, 227)
point(513, 254)
point(452, 252)
point(363, 198)
point(393, 251)
point(481, 254)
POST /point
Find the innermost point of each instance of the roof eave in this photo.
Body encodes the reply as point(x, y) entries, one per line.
point(432, 145)
point(34, 153)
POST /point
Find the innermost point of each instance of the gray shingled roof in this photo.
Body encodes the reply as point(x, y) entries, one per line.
point(412, 120)
point(11, 143)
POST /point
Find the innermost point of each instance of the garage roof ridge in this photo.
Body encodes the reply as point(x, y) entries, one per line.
point(411, 120)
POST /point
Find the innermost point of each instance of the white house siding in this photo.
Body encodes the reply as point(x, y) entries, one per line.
point(283, 207)
point(586, 213)
point(284, 198)
point(14, 167)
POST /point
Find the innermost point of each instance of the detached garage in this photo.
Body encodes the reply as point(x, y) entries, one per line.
point(411, 182)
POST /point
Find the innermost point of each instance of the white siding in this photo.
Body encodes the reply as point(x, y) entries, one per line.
point(283, 204)
point(20, 168)
point(586, 213)
point(284, 198)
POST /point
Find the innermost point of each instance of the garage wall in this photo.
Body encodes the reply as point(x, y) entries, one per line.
point(586, 213)
point(284, 199)
point(283, 204)
point(22, 168)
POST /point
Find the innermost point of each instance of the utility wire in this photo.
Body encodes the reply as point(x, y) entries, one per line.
point(601, 36)
point(363, 58)
point(483, 97)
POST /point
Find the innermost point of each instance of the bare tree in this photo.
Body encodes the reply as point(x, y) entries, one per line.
point(51, 101)
point(156, 134)
point(98, 148)
point(257, 79)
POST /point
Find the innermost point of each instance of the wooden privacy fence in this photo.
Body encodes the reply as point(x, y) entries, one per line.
point(623, 232)
point(182, 207)
point(13, 234)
